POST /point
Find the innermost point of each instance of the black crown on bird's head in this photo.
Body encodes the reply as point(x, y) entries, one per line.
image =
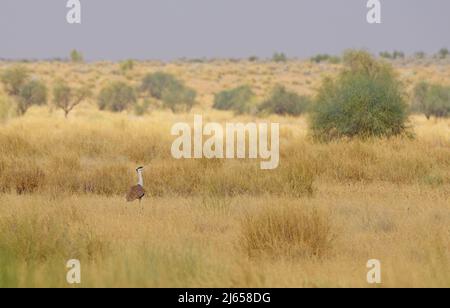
point(140, 168)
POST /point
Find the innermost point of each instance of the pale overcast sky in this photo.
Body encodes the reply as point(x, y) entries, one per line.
point(168, 29)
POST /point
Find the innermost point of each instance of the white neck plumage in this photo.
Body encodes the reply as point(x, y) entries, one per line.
point(140, 178)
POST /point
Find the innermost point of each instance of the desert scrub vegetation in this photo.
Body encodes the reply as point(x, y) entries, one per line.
point(431, 100)
point(383, 197)
point(287, 232)
point(76, 56)
point(325, 58)
point(117, 96)
point(173, 93)
point(279, 57)
point(127, 66)
point(26, 91)
point(67, 98)
point(98, 156)
point(365, 100)
point(240, 100)
point(38, 238)
point(284, 102)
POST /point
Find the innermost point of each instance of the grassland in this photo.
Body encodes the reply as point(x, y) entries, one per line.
point(314, 222)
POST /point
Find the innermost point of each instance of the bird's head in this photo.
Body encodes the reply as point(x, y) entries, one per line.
point(140, 169)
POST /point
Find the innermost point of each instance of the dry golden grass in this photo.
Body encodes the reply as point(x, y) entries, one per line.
point(314, 222)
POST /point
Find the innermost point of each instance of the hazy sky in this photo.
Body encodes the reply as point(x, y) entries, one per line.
point(168, 29)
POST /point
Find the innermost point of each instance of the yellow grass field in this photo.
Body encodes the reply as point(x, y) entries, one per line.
point(313, 222)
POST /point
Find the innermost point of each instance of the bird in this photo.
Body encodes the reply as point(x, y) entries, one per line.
point(137, 192)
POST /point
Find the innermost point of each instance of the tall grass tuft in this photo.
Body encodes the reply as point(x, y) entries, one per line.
point(287, 232)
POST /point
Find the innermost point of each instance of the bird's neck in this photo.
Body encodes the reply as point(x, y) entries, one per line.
point(140, 179)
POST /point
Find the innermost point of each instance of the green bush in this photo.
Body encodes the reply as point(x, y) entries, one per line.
point(14, 79)
point(116, 97)
point(443, 53)
point(279, 57)
point(76, 56)
point(239, 99)
point(32, 93)
point(283, 102)
point(431, 100)
point(154, 84)
point(365, 100)
point(394, 56)
point(173, 92)
point(398, 55)
point(178, 98)
point(325, 58)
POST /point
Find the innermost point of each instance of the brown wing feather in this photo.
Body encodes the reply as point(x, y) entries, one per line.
point(135, 193)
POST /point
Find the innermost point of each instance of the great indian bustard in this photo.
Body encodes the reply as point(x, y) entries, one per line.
point(137, 192)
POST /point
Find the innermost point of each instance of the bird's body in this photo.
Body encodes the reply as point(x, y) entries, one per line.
point(137, 192)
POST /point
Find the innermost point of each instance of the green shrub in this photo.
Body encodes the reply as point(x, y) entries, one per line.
point(386, 55)
point(238, 99)
point(32, 93)
point(283, 102)
point(394, 56)
point(279, 57)
point(173, 92)
point(154, 84)
point(178, 98)
point(365, 100)
point(431, 100)
point(325, 58)
point(443, 53)
point(398, 55)
point(14, 79)
point(76, 56)
point(116, 97)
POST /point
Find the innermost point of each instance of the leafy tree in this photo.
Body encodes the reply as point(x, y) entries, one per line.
point(14, 79)
point(32, 93)
point(116, 97)
point(76, 56)
point(283, 102)
point(366, 99)
point(67, 98)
